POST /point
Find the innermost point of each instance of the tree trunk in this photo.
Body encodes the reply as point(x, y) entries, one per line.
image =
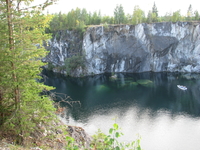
point(11, 47)
point(1, 108)
point(13, 67)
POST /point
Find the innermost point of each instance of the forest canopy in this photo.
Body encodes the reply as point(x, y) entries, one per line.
point(80, 18)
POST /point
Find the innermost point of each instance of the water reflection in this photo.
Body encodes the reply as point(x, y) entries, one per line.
point(148, 104)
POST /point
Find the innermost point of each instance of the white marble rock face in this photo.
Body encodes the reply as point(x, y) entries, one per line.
point(144, 47)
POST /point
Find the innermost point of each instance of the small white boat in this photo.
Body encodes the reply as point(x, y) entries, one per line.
point(182, 87)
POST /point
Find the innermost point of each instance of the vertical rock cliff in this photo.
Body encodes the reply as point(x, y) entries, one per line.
point(144, 47)
point(64, 44)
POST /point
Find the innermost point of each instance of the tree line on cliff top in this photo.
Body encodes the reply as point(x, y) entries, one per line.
point(80, 18)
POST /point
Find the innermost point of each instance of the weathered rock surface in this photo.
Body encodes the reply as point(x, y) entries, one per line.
point(80, 136)
point(64, 44)
point(144, 47)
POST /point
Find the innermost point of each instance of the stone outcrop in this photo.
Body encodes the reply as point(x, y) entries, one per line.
point(156, 47)
point(64, 44)
point(80, 136)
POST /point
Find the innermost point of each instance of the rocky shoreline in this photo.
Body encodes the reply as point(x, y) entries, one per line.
point(53, 138)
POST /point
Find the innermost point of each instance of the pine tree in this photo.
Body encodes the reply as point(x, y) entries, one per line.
point(22, 33)
point(190, 13)
point(149, 17)
point(155, 10)
point(154, 13)
point(196, 15)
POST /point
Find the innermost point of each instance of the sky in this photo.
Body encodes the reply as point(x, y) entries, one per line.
point(107, 6)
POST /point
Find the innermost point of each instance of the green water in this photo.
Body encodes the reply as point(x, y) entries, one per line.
point(149, 104)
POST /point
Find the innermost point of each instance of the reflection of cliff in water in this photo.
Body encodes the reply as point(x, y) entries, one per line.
point(152, 91)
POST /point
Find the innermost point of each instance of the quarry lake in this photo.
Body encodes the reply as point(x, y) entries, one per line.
point(149, 105)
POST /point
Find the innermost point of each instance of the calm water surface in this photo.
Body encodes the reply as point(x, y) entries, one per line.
point(146, 104)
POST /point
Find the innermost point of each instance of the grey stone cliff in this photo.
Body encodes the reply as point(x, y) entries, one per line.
point(144, 47)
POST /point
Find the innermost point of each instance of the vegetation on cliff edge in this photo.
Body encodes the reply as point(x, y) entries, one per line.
point(79, 19)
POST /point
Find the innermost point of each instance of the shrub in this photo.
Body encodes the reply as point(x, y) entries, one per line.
point(74, 62)
point(102, 141)
point(50, 66)
point(110, 142)
point(81, 27)
point(106, 27)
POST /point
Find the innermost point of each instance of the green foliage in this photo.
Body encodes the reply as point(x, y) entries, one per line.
point(155, 10)
point(50, 66)
point(138, 15)
point(74, 62)
point(196, 15)
point(167, 17)
point(22, 106)
point(154, 14)
point(59, 22)
point(190, 13)
point(176, 16)
point(119, 14)
point(149, 17)
point(106, 27)
point(95, 18)
point(110, 141)
point(71, 145)
point(102, 141)
point(79, 19)
point(107, 20)
point(74, 20)
point(80, 27)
